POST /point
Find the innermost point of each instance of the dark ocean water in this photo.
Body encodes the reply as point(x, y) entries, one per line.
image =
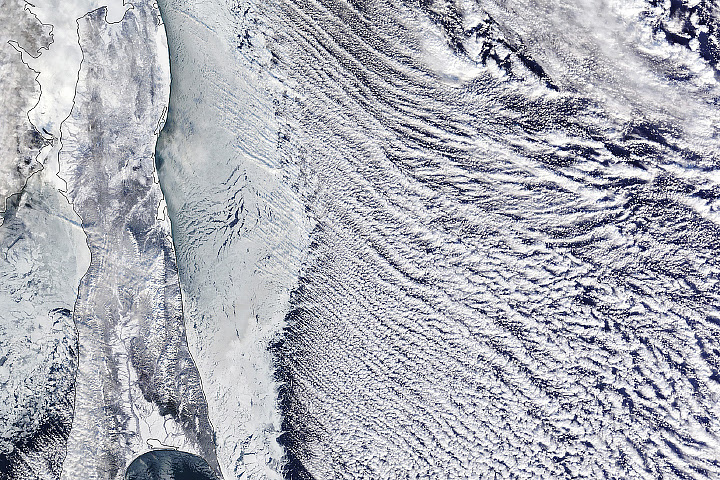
point(169, 465)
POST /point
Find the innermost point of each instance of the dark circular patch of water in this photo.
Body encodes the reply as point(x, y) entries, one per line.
point(169, 465)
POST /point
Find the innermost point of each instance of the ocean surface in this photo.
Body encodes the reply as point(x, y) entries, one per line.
point(450, 239)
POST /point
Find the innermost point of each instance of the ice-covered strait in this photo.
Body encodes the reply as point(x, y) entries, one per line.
point(498, 220)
